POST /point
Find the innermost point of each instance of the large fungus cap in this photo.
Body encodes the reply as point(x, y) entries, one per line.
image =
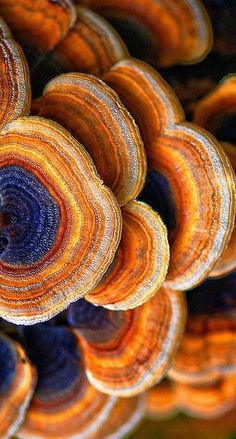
point(60, 226)
point(141, 262)
point(91, 45)
point(14, 79)
point(217, 113)
point(17, 381)
point(64, 405)
point(128, 351)
point(95, 116)
point(177, 31)
point(190, 180)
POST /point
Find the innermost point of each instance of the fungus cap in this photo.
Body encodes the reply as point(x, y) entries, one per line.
point(182, 159)
point(60, 225)
point(179, 32)
point(141, 262)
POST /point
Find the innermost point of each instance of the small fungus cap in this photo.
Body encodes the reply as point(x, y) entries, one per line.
point(95, 116)
point(141, 262)
point(128, 351)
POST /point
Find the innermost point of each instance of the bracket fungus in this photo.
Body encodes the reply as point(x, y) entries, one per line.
point(218, 105)
point(38, 25)
point(93, 113)
point(216, 112)
point(58, 37)
point(177, 31)
point(207, 349)
point(141, 262)
point(17, 382)
point(49, 181)
point(126, 414)
point(205, 401)
point(161, 401)
point(128, 351)
point(91, 45)
point(206, 352)
point(182, 159)
point(63, 394)
point(14, 79)
point(119, 265)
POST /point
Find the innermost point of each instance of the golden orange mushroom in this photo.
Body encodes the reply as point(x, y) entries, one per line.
point(189, 174)
point(128, 351)
point(141, 262)
point(95, 116)
point(60, 226)
point(178, 32)
point(17, 382)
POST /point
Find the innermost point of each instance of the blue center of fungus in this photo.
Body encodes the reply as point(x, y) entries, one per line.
point(83, 314)
point(7, 364)
point(29, 217)
point(54, 352)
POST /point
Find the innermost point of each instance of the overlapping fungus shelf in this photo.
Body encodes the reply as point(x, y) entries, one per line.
point(60, 226)
point(214, 112)
point(38, 26)
point(128, 351)
point(205, 401)
point(95, 116)
point(126, 414)
point(169, 32)
point(141, 262)
point(182, 161)
point(17, 381)
point(161, 401)
point(217, 113)
point(63, 394)
point(58, 37)
point(206, 351)
point(14, 79)
point(91, 45)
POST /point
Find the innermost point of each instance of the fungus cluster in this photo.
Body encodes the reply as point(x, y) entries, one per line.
point(111, 207)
